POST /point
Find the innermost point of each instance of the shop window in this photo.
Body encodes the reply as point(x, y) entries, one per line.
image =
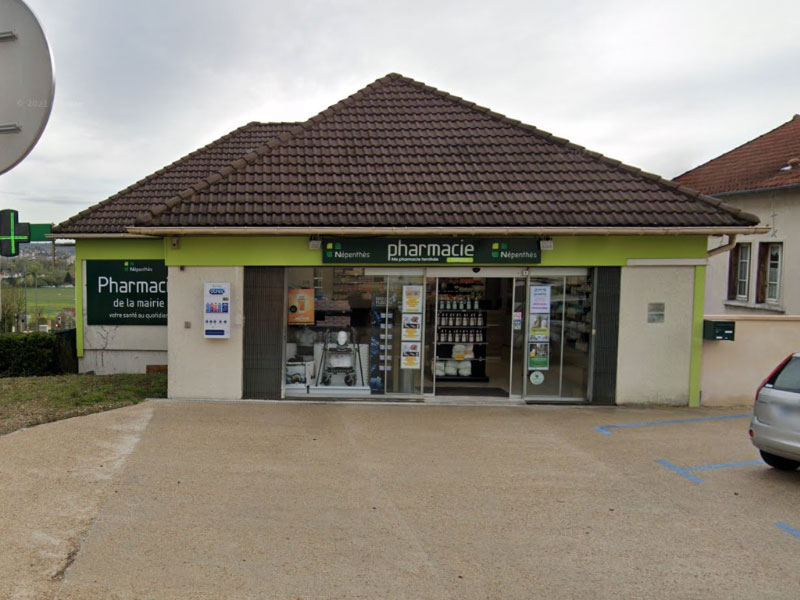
point(351, 333)
point(739, 273)
point(770, 265)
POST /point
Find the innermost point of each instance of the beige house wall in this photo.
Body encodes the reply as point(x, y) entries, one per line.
point(779, 209)
point(654, 358)
point(733, 370)
point(199, 367)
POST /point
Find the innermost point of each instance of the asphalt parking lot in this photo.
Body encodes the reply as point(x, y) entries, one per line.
point(256, 500)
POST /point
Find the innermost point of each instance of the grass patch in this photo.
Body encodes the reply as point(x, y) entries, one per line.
point(27, 401)
point(51, 300)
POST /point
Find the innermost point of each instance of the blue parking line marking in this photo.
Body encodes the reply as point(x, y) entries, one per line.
point(679, 470)
point(789, 529)
point(687, 471)
point(604, 429)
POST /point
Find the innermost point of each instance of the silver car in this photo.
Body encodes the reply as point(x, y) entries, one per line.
point(775, 426)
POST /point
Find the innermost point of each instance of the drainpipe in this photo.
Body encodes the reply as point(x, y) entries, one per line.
point(720, 249)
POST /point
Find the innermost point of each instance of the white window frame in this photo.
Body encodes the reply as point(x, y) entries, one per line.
point(775, 298)
point(743, 261)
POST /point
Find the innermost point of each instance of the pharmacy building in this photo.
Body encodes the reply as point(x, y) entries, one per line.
point(407, 245)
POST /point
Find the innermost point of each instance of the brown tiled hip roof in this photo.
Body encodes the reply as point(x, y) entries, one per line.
point(118, 212)
point(762, 163)
point(401, 154)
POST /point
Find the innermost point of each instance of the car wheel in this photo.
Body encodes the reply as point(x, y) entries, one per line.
point(778, 462)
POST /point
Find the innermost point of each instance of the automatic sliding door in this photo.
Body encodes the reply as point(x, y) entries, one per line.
point(557, 337)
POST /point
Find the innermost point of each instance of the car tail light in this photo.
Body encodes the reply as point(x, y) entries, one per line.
point(774, 372)
point(750, 433)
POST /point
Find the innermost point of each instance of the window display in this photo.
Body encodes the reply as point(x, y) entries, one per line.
point(341, 338)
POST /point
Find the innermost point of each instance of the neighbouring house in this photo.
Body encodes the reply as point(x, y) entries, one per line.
point(755, 284)
point(403, 243)
point(761, 272)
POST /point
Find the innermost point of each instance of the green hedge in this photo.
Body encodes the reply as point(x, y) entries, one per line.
point(28, 354)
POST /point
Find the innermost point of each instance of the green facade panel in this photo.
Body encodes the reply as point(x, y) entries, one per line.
point(294, 251)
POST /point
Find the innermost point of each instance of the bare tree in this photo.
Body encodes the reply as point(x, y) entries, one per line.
point(13, 307)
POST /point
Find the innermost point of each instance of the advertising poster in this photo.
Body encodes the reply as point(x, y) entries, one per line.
point(411, 355)
point(126, 292)
point(412, 327)
point(539, 357)
point(540, 327)
point(301, 306)
point(412, 298)
point(540, 299)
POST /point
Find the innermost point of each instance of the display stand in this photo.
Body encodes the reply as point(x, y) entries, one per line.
point(461, 322)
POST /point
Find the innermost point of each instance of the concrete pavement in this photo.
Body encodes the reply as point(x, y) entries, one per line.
point(254, 500)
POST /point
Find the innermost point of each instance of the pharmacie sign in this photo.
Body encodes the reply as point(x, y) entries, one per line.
point(126, 292)
point(414, 250)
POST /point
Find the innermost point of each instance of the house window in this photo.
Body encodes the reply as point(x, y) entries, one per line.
point(770, 265)
point(739, 273)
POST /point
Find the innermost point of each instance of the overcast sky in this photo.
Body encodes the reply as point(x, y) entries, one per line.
point(663, 86)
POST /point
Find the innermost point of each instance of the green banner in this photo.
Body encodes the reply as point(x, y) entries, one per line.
point(126, 292)
point(426, 251)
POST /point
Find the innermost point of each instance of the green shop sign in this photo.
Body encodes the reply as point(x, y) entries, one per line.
point(126, 292)
point(417, 250)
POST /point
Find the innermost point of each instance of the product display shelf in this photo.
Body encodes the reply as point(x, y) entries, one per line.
point(462, 311)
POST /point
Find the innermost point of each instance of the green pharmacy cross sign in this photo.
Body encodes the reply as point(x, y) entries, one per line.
point(12, 233)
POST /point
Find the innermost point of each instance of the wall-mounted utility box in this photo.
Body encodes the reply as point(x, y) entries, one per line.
point(718, 330)
point(216, 310)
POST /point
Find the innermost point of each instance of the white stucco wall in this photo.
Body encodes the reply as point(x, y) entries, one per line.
point(732, 370)
point(199, 367)
point(106, 362)
point(653, 360)
point(777, 209)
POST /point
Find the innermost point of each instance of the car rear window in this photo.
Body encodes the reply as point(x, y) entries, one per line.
point(788, 379)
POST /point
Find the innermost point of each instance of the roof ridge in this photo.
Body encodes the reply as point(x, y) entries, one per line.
point(145, 217)
point(796, 117)
point(614, 163)
point(161, 171)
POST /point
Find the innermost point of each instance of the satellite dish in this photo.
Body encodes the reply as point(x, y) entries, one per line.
point(28, 82)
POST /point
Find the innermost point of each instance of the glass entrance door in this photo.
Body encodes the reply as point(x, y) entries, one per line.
point(558, 330)
point(470, 343)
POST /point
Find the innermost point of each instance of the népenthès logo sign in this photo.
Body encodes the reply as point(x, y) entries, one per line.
point(126, 292)
point(430, 251)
